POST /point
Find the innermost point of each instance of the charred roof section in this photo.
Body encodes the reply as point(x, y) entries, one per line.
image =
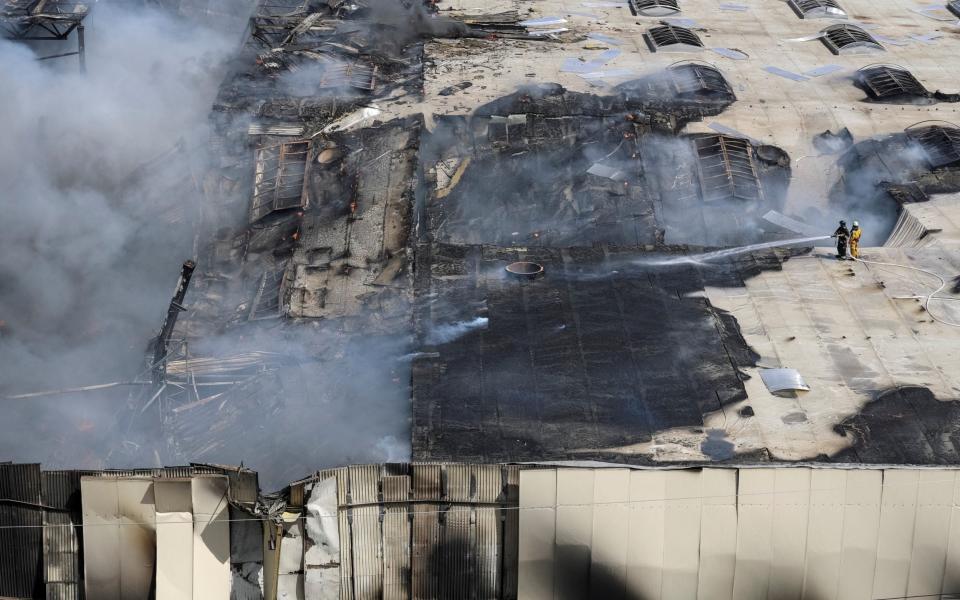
point(654, 8)
point(941, 145)
point(817, 9)
point(672, 38)
point(954, 7)
point(693, 80)
point(599, 352)
point(849, 39)
point(41, 19)
point(726, 168)
point(882, 173)
point(891, 83)
point(896, 85)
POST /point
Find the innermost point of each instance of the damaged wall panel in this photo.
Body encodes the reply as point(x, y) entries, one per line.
point(418, 531)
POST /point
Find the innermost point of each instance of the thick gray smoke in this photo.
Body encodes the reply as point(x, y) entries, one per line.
point(99, 209)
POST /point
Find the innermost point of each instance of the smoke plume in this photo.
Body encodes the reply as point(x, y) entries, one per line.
point(99, 210)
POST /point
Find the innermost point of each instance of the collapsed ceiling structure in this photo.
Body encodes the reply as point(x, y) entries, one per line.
point(512, 233)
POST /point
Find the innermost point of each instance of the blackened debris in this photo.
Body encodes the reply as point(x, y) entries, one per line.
point(453, 89)
point(908, 425)
point(829, 142)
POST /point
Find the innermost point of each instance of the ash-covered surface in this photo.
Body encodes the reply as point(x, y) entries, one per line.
point(908, 425)
point(549, 167)
point(601, 351)
point(882, 174)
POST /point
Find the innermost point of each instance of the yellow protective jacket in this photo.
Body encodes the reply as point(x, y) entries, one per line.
point(855, 242)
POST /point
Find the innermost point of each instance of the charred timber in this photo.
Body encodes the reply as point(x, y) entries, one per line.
point(173, 311)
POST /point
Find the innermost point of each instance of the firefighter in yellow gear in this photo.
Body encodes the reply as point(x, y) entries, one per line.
point(855, 234)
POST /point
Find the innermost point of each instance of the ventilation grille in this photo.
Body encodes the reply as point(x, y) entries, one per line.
point(726, 169)
point(699, 80)
point(671, 37)
point(940, 144)
point(266, 296)
point(817, 9)
point(848, 39)
point(356, 75)
point(654, 8)
point(278, 178)
point(887, 82)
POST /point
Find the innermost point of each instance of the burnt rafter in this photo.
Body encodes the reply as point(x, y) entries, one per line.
point(890, 82)
point(654, 8)
point(817, 9)
point(940, 144)
point(40, 20)
point(279, 173)
point(848, 39)
point(692, 79)
point(726, 169)
point(672, 37)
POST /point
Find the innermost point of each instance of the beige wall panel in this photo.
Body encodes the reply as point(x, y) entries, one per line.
point(138, 537)
point(101, 537)
point(574, 533)
point(645, 529)
point(718, 534)
point(929, 556)
point(951, 576)
point(755, 505)
point(174, 540)
point(861, 524)
point(824, 534)
point(538, 496)
point(895, 542)
point(611, 510)
point(211, 539)
point(290, 587)
point(791, 506)
point(681, 547)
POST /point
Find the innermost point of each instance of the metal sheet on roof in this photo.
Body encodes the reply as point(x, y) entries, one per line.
point(782, 380)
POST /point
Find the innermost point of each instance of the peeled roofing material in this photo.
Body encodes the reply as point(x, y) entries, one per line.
point(783, 380)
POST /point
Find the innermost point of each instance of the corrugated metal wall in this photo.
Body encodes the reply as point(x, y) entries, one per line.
point(21, 534)
point(425, 531)
point(761, 533)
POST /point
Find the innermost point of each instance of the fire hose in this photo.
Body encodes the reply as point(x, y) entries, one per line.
point(926, 299)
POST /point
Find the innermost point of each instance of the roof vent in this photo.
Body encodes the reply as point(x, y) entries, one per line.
point(654, 8)
point(696, 80)
point(670, 38)
point(817, 9)
point(890, 83)
point(278, 178)
point(954, 7)
point(940, 144)
point(848, 39)
point(726, 169)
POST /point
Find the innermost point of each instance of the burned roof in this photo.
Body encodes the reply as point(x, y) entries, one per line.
point(940, 144)
point(891, 83)
point(605, 348)
point(41, 19)
point(726, 168)
point(698, 80)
